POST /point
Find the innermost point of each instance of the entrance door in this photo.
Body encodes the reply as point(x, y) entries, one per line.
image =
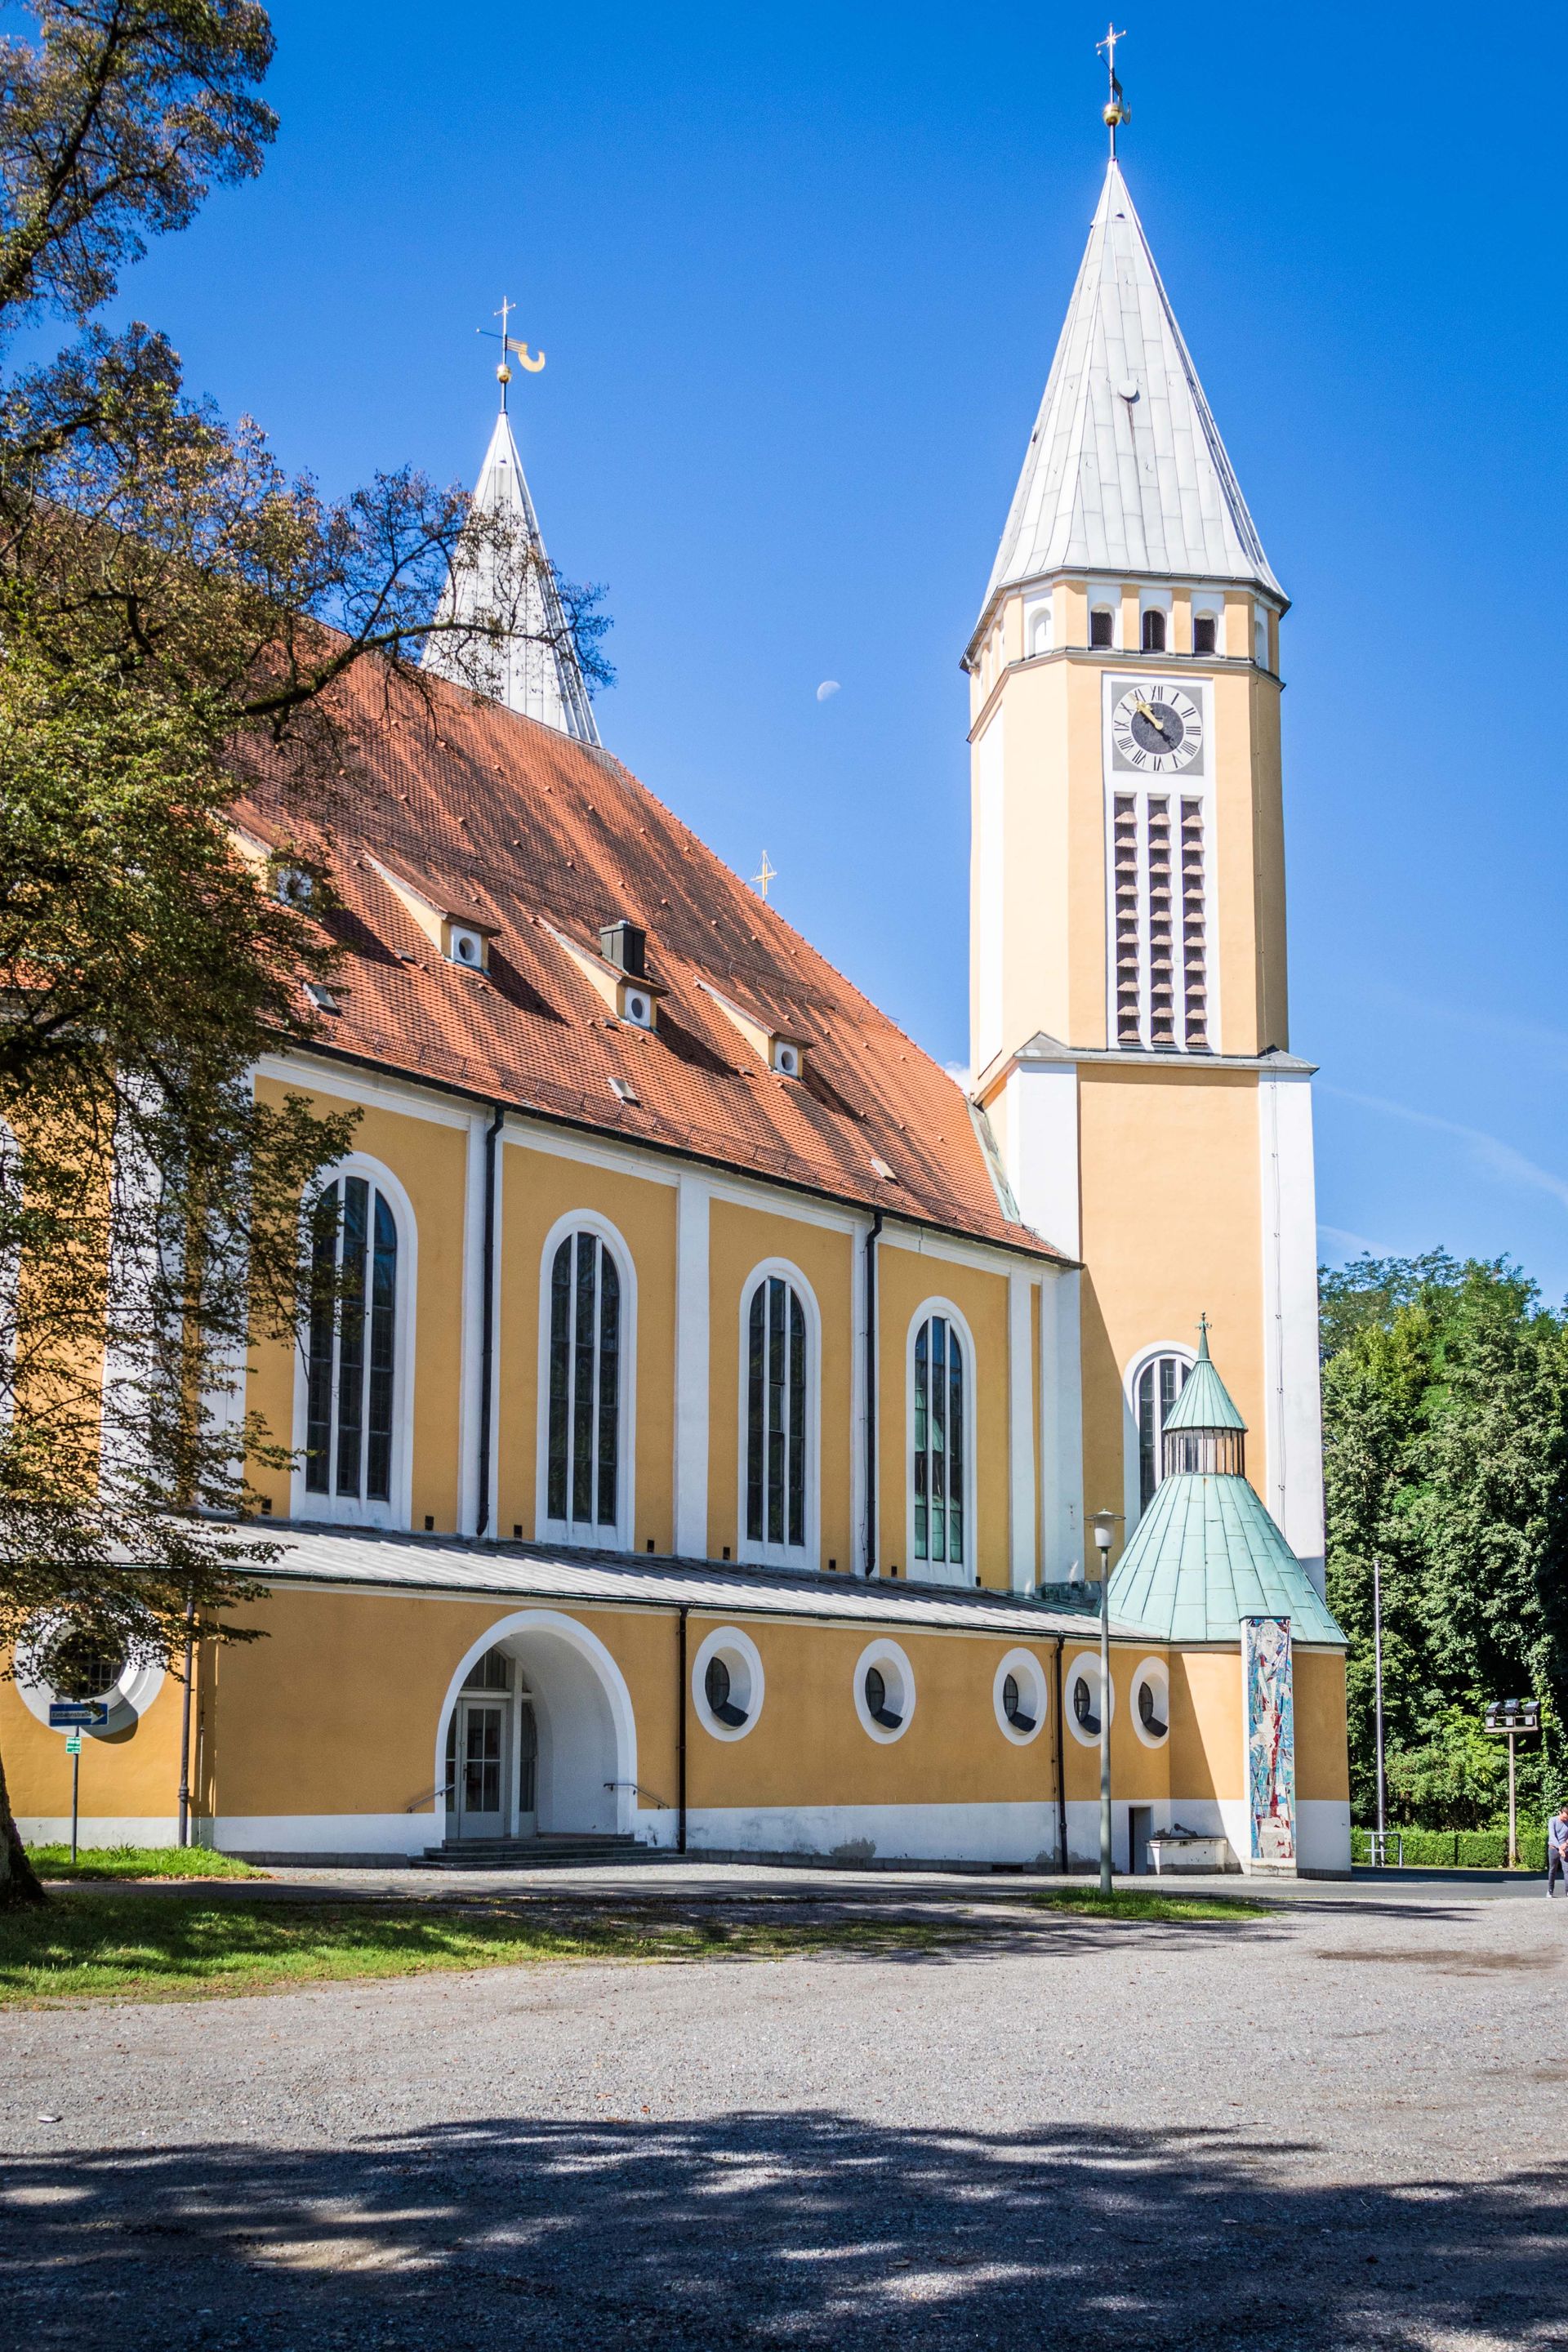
point(1139, 1830)
point(480, 1791)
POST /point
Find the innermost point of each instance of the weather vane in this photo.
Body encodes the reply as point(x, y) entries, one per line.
point(1116, 109)
point(520, 350)
point(769, 874)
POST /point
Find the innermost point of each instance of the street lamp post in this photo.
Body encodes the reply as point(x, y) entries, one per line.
point(1512, 1718)
point(1104, 1526)
point(1378, 1655)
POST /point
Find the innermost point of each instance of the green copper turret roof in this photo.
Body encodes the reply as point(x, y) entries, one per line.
point(1205, 1401)
point(1206, 1554)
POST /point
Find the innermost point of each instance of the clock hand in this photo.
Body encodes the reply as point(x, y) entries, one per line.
point(1152, 715)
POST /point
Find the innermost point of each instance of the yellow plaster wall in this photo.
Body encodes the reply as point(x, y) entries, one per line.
point(1322, 1737)
point(429, 1160)
point(537, 1187)
point(739, 1239)
point(132, 1774)
point(906, 1278)
point(1138, 1775)
point(1170, 1224)
point(1206, 1724)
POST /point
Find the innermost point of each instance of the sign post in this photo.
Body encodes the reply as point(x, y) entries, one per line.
point(73, 1749)
point(1512, 1720)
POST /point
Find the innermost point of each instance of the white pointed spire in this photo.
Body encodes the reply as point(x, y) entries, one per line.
point(1126, 471)
point(536, 670)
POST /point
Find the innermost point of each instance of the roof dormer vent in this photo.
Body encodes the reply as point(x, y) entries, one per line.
point(625, 944)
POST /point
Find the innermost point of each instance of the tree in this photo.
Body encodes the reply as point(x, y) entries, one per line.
point(1446, 1437)
point(168, 599)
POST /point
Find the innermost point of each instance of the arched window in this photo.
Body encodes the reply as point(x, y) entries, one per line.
point(1154, 631)
point(1159, 1383)
point(1205, 633)
point(1040, 631)
point(939, 1469)
point(350, 1355)
point(778, 1408)
point(1101, 623)
point(583, 1434)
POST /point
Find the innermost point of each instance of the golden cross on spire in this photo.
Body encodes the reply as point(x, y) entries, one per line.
point(518, 350)
point(769, 874)
point(1116, 109)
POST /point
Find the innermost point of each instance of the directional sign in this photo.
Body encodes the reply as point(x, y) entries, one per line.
point(64, 1712)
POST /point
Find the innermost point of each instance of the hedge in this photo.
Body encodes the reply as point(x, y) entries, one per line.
point(1457, 1849)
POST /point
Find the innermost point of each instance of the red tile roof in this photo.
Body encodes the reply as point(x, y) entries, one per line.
point(500, 819)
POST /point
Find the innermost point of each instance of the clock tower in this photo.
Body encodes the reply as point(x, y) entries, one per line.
point(1129, 1020)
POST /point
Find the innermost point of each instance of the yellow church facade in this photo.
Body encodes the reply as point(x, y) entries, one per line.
point(702, 1452)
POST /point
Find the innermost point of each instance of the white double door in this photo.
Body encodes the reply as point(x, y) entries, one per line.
point(493, 1768)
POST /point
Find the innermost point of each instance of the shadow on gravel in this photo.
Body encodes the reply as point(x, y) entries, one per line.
point(817, 2229)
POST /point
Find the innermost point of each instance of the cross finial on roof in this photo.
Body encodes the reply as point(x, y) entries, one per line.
point(520, 350)
point(1203, 1338)
point(760, 881)
point(1116, 109)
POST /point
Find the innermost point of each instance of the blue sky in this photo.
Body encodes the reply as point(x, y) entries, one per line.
point(798, 274)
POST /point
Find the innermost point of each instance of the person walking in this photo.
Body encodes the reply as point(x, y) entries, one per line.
point(1557, 1851)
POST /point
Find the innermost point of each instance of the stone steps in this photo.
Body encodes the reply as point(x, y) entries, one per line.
point(561, 1851)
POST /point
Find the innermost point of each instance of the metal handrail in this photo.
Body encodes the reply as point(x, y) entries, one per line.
point(430, 1795)
point(663, 1803)
point(1378, 1846)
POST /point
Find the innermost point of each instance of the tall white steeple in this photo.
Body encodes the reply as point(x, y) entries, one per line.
point(1125, 470)
point(535, 669)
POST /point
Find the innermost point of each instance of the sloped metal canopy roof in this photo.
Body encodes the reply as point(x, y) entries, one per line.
point(1206, 1554)
point(1205, 1401)
point(1125, 470)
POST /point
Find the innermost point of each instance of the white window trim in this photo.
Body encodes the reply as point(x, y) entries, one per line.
point(1087, 1663)
point(595, 1535)
point(729, 1643)
point(1132, 1514)
point(764, 1554)
point(1031, 1675)
point(1155, 1672)
point(927, 1572)
point(349, 1510)
point(895, 1666)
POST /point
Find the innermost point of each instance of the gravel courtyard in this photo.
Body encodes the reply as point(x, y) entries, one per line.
point(1340, 2125)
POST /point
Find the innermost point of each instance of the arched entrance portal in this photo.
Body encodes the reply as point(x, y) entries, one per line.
point(537, 1736)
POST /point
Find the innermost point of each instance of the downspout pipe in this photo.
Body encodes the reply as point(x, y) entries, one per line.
point(185, 1725)
point(488, 1324)
point(1061, 1780)
point(681, 1615)
point(871, 1240)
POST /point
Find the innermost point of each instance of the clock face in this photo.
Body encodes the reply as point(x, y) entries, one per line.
point(1157, 728)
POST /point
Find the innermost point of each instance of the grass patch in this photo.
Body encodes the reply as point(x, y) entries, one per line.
point(152, 1947)
point(139, 1862)
point(1128, 1903)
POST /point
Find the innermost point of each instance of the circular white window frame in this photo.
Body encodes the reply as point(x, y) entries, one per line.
point(1031, 1679)
point(1086, 1660)
point(133, 1694)
point(1155, 1673)
point(736, 1649)
point(898, 1675)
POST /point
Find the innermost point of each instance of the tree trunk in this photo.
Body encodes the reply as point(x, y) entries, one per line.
point(19, 1880)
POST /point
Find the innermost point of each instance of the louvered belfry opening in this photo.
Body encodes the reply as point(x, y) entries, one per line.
point(1219, 1452)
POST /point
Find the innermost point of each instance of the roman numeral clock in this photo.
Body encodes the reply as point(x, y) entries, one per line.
point(1157, 729)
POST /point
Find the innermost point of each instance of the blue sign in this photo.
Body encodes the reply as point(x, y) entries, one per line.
point(64, 1712)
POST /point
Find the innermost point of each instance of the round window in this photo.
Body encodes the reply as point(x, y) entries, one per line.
point(876, 1702)
point(726, 1684)
point(1082, 1696)
point(82, 1666)
point(717, 1687)
point(1151, 1703)
point(1013, 1705)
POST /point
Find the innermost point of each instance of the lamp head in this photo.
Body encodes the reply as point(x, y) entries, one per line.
point(1104, 1526)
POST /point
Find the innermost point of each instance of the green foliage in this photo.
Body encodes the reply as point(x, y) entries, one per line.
point(1446, 1457)
point(139, 1862)
point(1459, 1849)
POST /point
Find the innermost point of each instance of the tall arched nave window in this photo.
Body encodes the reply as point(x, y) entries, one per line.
point(351, 1350)
point(1155, 1390)
point(779, 1407)
point(939, 1469)
point(588, 1381)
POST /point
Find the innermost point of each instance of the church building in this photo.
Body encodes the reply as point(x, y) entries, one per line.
point(704, 1452)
